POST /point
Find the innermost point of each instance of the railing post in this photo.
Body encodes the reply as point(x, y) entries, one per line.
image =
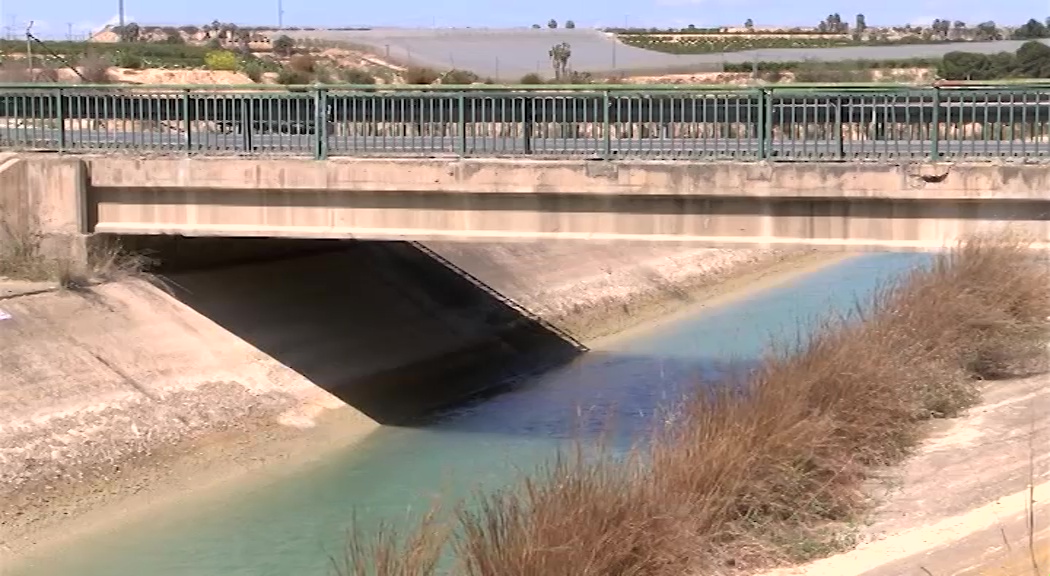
point(186, 120)
point(321, 123)
point(935, 126)
point(606, 126)
point(461, 125)
point(840, 148)
point(527, 103)
point(60, 115)
point(761, 121)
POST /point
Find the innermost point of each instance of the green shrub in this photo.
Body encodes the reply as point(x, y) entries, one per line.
point(126, 59)
point(221, 60)
point(253, 69)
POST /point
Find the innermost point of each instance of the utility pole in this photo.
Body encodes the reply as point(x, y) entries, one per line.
point(280, 15)
point(69, 31)
point(29, 51)
point(120, 13)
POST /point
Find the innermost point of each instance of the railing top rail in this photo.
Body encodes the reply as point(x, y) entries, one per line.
point(1018, 85)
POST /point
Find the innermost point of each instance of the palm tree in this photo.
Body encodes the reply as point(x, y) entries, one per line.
point(559, 55)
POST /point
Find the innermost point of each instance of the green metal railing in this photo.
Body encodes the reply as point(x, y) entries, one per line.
point(792, 123)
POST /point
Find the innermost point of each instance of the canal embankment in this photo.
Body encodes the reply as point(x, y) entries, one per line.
point(127, 393)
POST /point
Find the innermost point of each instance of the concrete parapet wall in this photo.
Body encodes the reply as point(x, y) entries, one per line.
point(921, 181)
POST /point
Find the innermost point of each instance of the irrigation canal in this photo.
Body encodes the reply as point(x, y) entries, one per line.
point(293, 523)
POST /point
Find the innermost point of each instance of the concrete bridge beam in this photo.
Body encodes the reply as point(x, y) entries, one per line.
point(836, 205)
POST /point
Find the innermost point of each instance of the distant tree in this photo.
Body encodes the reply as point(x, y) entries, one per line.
point(356, 76)
point(94, 69)
point(243, 37)
point(172, 36)
point(287, 76)
point(531, 78)
point(417, 75)
point(559, 55)
point(1033, 60)
point(971, 66)
point(552, 24)
point(129, 32)
point(749, 24)
point(283, 46)
point(535, 26)
point(988, 31)
point(833, 24)
point(570, 24)
point(1031, 30)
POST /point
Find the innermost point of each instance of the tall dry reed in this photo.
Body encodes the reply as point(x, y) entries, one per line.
point(763, 469)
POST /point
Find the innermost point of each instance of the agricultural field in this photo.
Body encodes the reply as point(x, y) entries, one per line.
point(712, 43)
point(509, 54)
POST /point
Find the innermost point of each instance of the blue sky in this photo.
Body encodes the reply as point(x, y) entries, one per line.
point(54, 17)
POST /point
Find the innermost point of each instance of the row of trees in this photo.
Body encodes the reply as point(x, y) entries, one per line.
point(553, 24)
point(1031, 60)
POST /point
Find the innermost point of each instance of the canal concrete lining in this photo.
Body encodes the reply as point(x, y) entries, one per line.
point(844, 205)
point(111, 384)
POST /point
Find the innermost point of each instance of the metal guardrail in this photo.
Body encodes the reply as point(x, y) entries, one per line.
point(796, 123)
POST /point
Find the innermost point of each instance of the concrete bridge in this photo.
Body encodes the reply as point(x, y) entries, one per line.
point(839, 205)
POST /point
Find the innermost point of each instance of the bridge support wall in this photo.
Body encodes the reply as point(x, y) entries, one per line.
point(44, 206)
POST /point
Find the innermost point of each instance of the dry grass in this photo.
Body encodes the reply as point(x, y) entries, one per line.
point(94, 69)
point(769, 468)
point(385, 553)
point(26, 256)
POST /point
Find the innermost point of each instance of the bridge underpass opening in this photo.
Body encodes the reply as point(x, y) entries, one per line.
point(390, 328)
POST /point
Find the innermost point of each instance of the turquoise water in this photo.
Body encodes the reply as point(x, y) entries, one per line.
point(295, 522)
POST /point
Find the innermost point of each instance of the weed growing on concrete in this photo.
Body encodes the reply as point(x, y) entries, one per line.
point(25, 255)
point(767, 468)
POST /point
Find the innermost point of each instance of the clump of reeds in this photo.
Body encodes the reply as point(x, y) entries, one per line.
point(755, 472)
